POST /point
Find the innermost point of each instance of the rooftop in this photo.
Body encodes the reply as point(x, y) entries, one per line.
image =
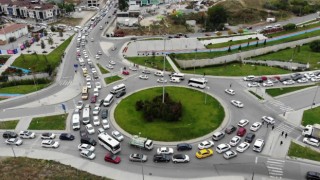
point(11, 27)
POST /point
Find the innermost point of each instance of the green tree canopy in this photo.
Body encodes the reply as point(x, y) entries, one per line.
point(123, 5)
point(315, 46)
point(217, 17)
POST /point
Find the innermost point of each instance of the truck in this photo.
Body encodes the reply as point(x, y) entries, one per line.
point(141, 142)
point(312, 131)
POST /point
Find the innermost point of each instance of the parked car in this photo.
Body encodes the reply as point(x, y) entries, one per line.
point(164, 150)
point(221, 148)
point(96, 121)
point(161, 158)
point(230, 154)
point(255, 126)
point(230, 129)
point(112, 158)
point(243, 122)
point(9, 134)
point(253, 84)
point(145, 71)
point(117, 135)
point(241, 131)
point(184, 147)
point(138, 157)
point(90, 129)
point(249, 137)
point(205, 145)
point(48, 136)
point(218, 135)
point(14, 141)
point(311, 141)
point(120, 94)
point(87, 154)
point(288, 82)
point(105, 124)
point(235, 140)
point(180, 158)
point(66, 136)
point(243, 146)
point(50, 144)
point(161, 80)
point(104, 113)
point(87, 147)
point(27, 135)
point(312, 175)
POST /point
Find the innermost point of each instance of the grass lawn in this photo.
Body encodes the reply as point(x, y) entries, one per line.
point(256, 95)
point(27, 168)
point(39, 62)
point(298, 151)
point(311, 116)
point(8, 124)
point(304, 56)
point(112, 79)
point(155, 62)
point(198, 119)
point(56, 122)
point(235, 69)
point(279, 91)
point(102, 69)
point(23, 89)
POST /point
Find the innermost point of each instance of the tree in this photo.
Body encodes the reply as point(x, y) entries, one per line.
point(123, 5)
point(229, 49)
point(239, 47)
point(217, 17)
point(315, 46)
point(230, 32)
point(52, 28)
point(289, 26)
point(257, 44)
point(42, 45)
point(50, 41)
point(240, 31)
point(265, 42)
point(219, 33)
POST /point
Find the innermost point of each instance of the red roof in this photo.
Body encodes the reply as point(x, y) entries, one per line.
point(27, 4)
point(11, 28)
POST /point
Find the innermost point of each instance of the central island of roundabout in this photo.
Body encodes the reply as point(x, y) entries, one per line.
point(201, 114)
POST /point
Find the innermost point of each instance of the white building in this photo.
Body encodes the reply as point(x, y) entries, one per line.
point(12, 30)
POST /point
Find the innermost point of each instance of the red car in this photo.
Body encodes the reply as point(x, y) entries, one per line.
point(112, 158)
point(93, 99)
point(125, 72)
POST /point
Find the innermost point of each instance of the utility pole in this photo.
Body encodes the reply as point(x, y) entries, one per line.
point(164, 65)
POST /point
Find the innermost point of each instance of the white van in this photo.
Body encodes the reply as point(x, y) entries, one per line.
point(118, 88)
point(96, 92)
point(159, 73)
point(86, 115)
point(108, 100)
point(81, 61)
point(268, 27)
point(178, 75)
point(258, 145)
point(175, 79)
point(76, 121)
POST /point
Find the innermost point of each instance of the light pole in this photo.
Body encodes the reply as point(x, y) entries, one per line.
point(141, 160)
point(34, 80)
point(164, 65)
point(205, 98)
point(315, 95)
point(194, 62)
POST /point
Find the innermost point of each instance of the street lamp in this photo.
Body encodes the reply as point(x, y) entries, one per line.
point(315, 95)
point(34, 80)
point(194, 62)
point(205, 98)
point(141, 160)
point(164, 65)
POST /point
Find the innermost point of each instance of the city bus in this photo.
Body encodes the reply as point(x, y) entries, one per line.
point(197, 82)
point(85, 93)
point(109, 143)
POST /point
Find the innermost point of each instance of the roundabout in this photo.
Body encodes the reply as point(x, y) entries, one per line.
point(198, 117)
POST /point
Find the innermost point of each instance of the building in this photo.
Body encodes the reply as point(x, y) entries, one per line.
point(12, 31)
point(94, 3)
point(34, 9)
point(144, 2)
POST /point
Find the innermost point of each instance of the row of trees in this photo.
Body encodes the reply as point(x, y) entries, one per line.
point(298, 7)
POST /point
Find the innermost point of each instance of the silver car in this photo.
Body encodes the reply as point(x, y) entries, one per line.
point(138, 157)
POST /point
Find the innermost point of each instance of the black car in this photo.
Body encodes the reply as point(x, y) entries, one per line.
point(104, 114)
point(161, 158)
point(230, 129)
point(284, 79)
point(120, 94)
point(249, 137)
point(9, 134)
point(184, 147)
point(66, 136)
point(84, 133)
point(88, 140)
point(311, 175)
point(99, 102)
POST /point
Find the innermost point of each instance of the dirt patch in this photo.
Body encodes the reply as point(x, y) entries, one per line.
point(69, 21)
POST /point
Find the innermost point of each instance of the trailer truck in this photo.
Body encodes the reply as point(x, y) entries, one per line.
point(141, 142)
point(312, 131)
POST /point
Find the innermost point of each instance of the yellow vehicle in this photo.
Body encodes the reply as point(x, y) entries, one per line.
point(85, 93)
point(203, 153)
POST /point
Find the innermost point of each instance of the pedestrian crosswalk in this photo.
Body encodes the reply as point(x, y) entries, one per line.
point(275, 168)
point(64, 82)
point(282, 127)
point(280, 105)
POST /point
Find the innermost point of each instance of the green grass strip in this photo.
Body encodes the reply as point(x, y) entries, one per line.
point(280, 91)
point(8, 124)
point(56, 122)
point(298, 151)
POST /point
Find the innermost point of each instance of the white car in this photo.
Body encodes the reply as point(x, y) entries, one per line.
point(79, 105)
point(117, 135)
point(180, 158)
point(237, 103)
point(14, 141)
point(48, 136)
point(243, 122)
point(255, 126)
point(27, 135)
point(93, 70)
point(88, 78)
point(96, 110)
point(105, 124)
point(249, 78)
point(230, 154)
point(145, 77)
point(267, 84)
point(109, 66)
point(112, 62)
point(89, 85)
point(50, 144)
point(243, 146)
point(164, 150)
point(161, 80)
point(315, 79)
point(235, 140)
point(311, 141)
point(97, 56)
point(87, 154)
point(205, 144)
point(230, 91)
point(87, 147)
point(221, 148)
point(253, 84)
point(302, 80)
point(133, 68)
point(288, 82)
point(101, 130)
point(90, 129)
point(99, 53)
point(98, 85)
point(268, 119)
point(96, 120)
point(86, 56)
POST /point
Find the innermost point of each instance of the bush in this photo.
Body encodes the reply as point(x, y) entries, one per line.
point(25, 82)
point(289, 26)
point(155, 109)
point(315, 46)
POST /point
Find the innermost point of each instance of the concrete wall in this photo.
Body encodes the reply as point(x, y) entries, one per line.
point(36, 76)
point(242, 55)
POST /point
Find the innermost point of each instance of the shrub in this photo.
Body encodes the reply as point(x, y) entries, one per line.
point(25, 82)
point(315, 46)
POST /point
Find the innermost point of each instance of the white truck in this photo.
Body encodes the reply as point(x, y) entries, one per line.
point(141, 142)
point(312, 131)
